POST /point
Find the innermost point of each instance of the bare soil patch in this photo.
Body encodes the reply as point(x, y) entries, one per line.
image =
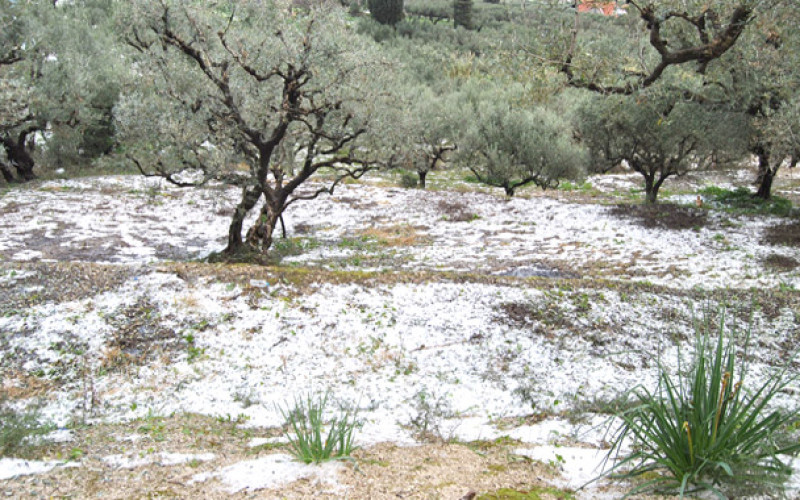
point(384, 471)
point(780, 262)
point(57, 282)
point(783, 234)
point(51, 247)
point(140, 337)
point(18, 385)
point(516, 314)
point(455, 211)
point(438, 471)
point(396, 235)
point(663, 216)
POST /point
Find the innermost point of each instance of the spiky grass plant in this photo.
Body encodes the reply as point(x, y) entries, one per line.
point(705, 429)
point(306, 424)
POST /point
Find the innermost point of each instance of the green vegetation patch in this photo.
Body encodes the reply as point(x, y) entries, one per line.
point(707, 429)
point(537, 493)
point(585, 187)
point(17, 427)
point(489, 444)
point(287, 247)
point(742, 200)
point(308, 439)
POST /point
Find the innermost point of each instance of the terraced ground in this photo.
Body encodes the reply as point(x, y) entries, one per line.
point(484, 340)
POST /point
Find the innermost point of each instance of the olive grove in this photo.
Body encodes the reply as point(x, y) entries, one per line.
point(717, 63)
point(282, 104)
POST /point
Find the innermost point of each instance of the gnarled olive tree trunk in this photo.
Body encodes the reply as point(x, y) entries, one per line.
point(767, 170)
point(249, 199)
point(18, 158)
point(259, 237)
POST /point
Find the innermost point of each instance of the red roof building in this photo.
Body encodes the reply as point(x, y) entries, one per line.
point(600, 7)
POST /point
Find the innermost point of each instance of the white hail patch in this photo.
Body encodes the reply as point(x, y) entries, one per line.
point(269, 472)
point(135, 220)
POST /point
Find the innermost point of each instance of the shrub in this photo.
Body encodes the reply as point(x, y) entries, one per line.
point(462, 13)
point(408, 180)
point(431, 412)
point(375, 30)
point(354, 9)
point(704, 430)
point(307, 422)
point(386, 11)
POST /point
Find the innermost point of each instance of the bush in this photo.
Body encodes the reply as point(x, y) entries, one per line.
point(377, 31)
point(431, 412)
point(354, 9)
point(462, 13)
point(386, 11)
point(704, 430)
point(307, 421)
point(408, 180)
point(431, 9)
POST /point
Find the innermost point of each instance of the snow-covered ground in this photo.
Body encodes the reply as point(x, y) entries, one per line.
point(479, 350)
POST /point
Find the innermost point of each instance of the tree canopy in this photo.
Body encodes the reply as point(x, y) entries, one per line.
point(59, 68)
point(262, 98)
point(508, 145)
point(658, 135)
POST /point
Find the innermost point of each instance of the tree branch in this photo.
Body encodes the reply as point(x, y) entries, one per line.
point(709, 49)
point(13, 56)
point(345, 173)
point(162, 173)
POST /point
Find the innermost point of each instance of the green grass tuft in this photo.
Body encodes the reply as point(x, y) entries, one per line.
point(536, 493)
point(308, 440)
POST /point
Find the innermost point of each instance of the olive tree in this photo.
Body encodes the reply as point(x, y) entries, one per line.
point(426, 127)
point(59, 68)
point(742, 56)
point(511, 145)
point(79, 81)
point(677, 33)
point(254, 96)
point(776, 143)
point(16, 119)
point(761, 79)
point(386, 11)
point(658, 136)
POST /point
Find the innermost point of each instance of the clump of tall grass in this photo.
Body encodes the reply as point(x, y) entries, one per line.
point(307, 436)
point(706, 428)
